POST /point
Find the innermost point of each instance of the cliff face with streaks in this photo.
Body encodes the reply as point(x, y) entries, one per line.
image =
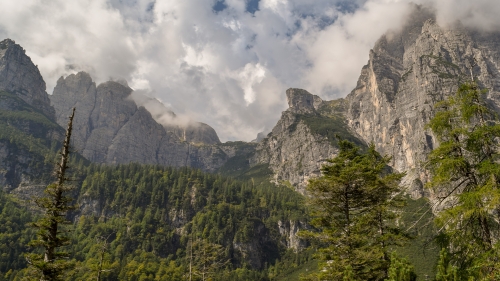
point(407, 73)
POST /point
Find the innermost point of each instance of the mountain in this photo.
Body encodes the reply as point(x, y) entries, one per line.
point(19, 76)
point(155, 208)
point(408, 71)
point(111, 128)
point(186, 130)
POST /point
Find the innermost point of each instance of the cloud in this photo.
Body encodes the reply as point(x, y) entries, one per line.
point(228, 68)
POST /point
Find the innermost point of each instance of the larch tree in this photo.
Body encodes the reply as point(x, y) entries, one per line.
point(465, 177)
point(52, 263)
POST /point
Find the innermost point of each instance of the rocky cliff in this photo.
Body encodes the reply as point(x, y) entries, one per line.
point(407, 73)
point(185, 130)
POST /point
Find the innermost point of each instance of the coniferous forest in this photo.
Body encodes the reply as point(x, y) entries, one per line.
point(140, 223)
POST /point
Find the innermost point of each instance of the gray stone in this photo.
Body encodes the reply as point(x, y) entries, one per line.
point(18, 75)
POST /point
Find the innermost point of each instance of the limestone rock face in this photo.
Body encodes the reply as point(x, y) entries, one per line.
point(110, 128)
point(289, 230)
point(407, 73)
point(77, 91)
point(19, 76)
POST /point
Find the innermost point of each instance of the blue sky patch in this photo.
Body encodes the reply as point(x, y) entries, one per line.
point(219, 6)
point(252, 6)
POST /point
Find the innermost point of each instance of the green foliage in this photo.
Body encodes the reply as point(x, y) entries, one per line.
point(206, 259)
point(148, 213)
point(354, 206)
point(466, 175)
point(13, 233)
point(400, 270)
point(445, 270)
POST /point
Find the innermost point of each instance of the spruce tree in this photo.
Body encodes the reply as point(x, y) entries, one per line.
point(466, 176)
point(354, 206)
point(51, 235)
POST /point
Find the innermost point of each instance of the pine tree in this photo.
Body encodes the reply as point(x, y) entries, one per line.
point(466, 177)
point(52, 263)
point(353, 205)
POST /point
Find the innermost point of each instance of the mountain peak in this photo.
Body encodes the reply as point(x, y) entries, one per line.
point(6, 43)
point(20, 76)
point(301, 101)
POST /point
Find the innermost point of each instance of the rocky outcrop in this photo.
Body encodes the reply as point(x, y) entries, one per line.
point(19, 76)
point(302, 102)
point(28, 132)
point(407, 73)
point(27, 139)
point(195, 132)
point(290, 230)
point(298, 147)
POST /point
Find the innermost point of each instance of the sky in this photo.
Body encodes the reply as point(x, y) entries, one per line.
point(226, 63)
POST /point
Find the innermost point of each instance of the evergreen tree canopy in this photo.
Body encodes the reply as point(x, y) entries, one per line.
point(354, 206)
